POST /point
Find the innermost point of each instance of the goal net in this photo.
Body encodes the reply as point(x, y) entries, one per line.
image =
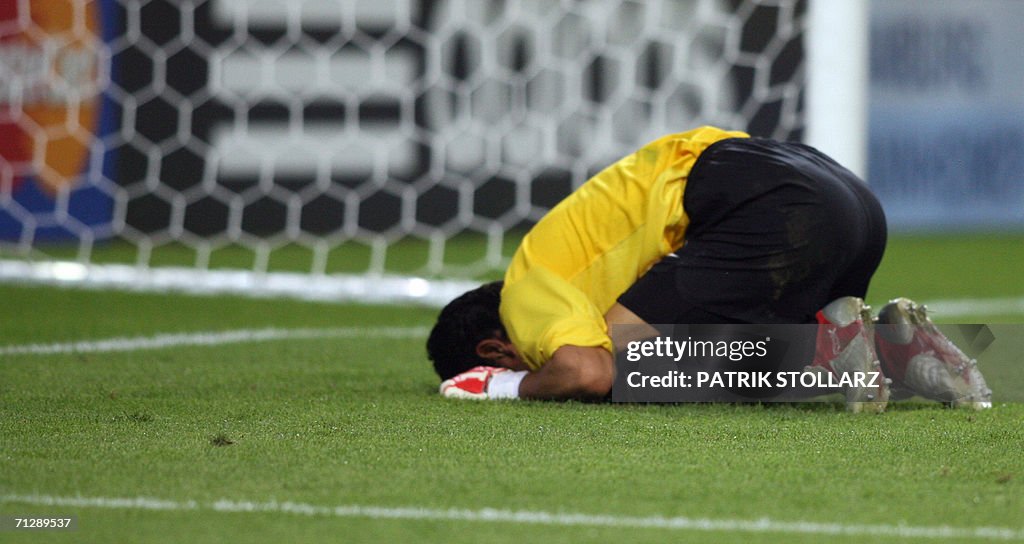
point(256, 144)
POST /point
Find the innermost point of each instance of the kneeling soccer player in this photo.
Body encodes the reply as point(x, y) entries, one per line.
point(706, 226)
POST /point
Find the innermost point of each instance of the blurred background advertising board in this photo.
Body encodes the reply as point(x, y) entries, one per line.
point(946, 110)
point(54, 118)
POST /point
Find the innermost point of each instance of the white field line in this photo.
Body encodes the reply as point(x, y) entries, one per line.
point(944, 308)
point(211, 338)
point(973, 307)
point(489, 515)
point(367, 288)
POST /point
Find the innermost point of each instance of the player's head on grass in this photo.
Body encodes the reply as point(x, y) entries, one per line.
point(462, 325)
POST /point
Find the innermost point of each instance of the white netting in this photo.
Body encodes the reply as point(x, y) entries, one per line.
point(320, 124)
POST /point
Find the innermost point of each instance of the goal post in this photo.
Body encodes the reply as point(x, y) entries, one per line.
point(251, 145)
point(837, 53)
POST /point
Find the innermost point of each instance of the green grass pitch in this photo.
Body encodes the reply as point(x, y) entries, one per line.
point(295, 428)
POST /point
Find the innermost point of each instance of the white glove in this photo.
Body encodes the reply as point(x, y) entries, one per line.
point(484, 382)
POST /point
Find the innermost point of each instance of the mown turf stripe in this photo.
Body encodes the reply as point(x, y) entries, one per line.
point(489, 515)
point(211, 338)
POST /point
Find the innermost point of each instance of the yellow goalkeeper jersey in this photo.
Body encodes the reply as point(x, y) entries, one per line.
point(576, 261)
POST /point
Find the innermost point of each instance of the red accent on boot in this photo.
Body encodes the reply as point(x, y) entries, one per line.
point(832, 340)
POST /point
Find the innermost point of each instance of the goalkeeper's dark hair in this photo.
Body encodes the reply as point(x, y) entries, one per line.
point(462, 324)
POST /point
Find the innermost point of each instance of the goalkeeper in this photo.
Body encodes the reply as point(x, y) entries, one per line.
point(706, 226)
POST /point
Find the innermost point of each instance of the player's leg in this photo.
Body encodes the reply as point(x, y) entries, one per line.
point(845, 340)
point(867, 245)
point(777, 230)
point(774, 226)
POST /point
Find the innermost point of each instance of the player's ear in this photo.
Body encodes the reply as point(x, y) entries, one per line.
point(492, 349)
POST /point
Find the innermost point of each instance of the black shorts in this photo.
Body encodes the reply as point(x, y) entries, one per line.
point(777, 231)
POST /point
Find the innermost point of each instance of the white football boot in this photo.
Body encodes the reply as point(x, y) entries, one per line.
point(918, 357)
